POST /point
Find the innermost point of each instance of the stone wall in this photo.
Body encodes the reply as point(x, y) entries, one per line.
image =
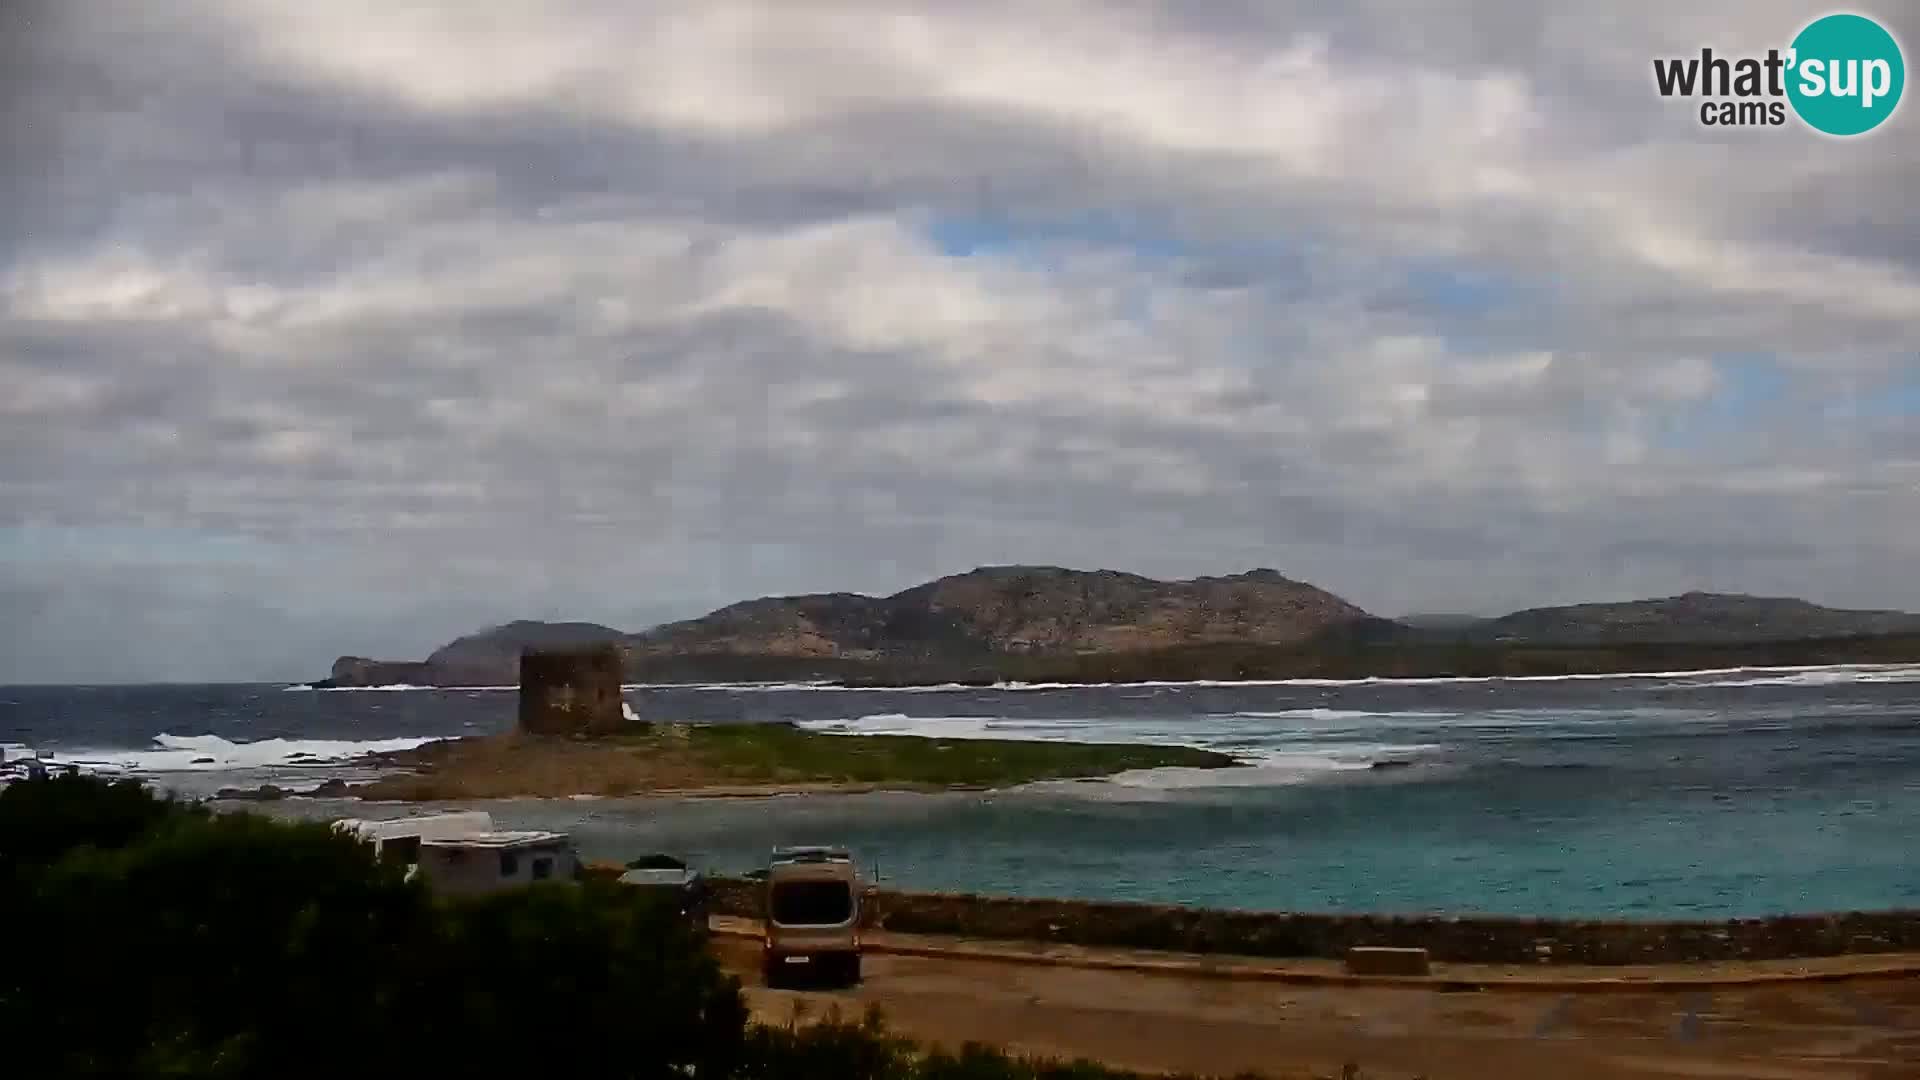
point(1465, 939)
point(571, 691)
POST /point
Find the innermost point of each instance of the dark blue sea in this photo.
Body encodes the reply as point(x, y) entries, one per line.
point(1677, 794)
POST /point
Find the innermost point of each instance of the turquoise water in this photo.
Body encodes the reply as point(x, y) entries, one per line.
point(1732, 793)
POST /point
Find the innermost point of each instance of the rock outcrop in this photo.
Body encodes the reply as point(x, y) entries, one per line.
point(992, 611)
point(1013, 610)
point(1044, 623)
point(360, 671)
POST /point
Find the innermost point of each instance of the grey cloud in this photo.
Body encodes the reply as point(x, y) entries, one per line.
point(451, 361)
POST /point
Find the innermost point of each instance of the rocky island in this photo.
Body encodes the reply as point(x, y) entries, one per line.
point(577, 736)
point(745, 759)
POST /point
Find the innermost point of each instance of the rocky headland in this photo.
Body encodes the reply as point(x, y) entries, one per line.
point(1040, 623)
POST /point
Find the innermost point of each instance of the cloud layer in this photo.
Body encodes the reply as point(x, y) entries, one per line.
point(349, 327)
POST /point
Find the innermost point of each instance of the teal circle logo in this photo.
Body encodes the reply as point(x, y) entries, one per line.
point(1846, 74)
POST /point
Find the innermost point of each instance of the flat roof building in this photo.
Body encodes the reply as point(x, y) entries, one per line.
point(484, 862)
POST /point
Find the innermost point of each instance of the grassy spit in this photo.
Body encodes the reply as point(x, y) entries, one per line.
point(747, 758)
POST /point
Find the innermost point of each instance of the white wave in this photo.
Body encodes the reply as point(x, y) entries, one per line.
point(194, 753)
point(1324, 714)
point(736, 687)
point(398, 687)
point(1843, 673)
point(297, 686)
point(1264, 746)
point(932, 727)
point(1829, 676)
point(1337, 758)
point(1021, 729)
point(1182, 778)
point(1261, 769)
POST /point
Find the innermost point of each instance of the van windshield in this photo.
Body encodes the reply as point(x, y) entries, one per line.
point(812, 903)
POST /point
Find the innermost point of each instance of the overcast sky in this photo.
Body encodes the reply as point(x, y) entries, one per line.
point(349, 327)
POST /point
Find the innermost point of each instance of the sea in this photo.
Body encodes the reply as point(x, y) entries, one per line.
point(1669, 794)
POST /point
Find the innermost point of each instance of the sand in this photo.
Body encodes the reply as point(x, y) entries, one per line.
point(1867, 1028)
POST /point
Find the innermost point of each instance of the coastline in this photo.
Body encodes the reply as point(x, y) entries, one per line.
point(1425, 659)
point(1331, 675)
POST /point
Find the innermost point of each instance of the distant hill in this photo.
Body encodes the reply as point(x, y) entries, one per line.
point(1047, 622)
point(489, 657)
point(1012, 609)
point(1695, 617)
point(484, 657)
point(964, 618)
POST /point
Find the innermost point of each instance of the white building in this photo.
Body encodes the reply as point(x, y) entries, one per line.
point(484, 862)
point(398, 840)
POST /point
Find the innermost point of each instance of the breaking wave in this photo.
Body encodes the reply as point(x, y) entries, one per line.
point(1792, 675)
point(1270, 754)
point(194, 753)
point(1797, 675)
point(1825, 676)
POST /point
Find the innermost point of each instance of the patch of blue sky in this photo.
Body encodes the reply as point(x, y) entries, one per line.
point(1749, 389)
point(1895, 398)
point(1040, 238)
point(1191, 258)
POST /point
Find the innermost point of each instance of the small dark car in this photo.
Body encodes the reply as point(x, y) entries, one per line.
point(683, 885)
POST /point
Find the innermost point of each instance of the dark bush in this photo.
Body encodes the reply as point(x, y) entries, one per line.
point(149, 938)
point(595, 975)
point(220, 946)
point(233, 945)
point(43, 820)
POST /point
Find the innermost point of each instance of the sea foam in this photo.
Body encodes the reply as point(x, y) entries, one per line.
point(194, 753)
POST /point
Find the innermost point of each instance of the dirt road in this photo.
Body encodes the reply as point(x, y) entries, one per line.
point(1867, 1029)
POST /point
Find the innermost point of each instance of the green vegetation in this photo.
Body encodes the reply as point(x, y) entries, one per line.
point(1369, 649)
point(1414, 654)
point(155, 939)
point(746, 756)
point(231, 945)
point(772, 753)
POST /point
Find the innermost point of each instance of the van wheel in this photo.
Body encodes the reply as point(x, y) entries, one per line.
point(771, 973)
point(850, 970)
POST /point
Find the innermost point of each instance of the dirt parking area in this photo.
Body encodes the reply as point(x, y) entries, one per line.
point(1867, 1029)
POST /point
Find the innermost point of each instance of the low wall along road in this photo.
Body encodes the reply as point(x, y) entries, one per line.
point(1463, 940)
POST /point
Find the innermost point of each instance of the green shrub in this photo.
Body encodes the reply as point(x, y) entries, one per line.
point(589, 974)
point(156, 940)
point(43, 820)
point(233, 945)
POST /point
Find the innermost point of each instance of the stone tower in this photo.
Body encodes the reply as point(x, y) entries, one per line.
point(573, 691)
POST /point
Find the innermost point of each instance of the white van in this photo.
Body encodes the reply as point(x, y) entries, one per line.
point(812, 908)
